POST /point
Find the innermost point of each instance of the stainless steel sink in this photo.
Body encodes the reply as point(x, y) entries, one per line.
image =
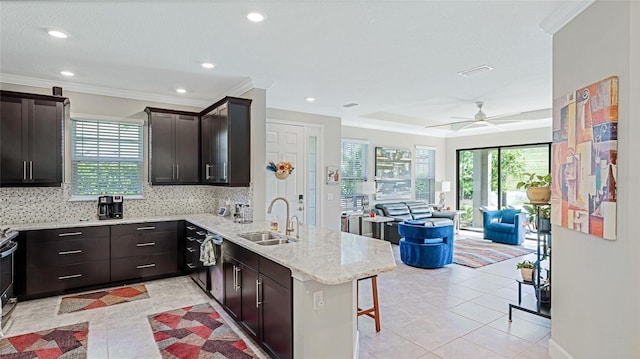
point(260, 236)
point(274, 242)
point(267, 238)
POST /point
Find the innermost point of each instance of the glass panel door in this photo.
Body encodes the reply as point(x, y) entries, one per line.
point(477, 184)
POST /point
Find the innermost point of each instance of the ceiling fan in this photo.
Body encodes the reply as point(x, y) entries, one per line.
point(481, 118)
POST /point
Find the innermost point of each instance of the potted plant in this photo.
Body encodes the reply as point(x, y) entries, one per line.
point(538, 187)
point(542, 224)
point(526, 270)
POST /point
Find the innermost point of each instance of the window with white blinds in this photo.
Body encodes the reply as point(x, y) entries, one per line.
point(106, 158)
point(353, 170)
point(425, 174)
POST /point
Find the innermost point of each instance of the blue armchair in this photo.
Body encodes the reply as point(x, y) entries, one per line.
point(504, 226)
point(426, 245)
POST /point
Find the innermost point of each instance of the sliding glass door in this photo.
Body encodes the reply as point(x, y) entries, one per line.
point(488, 178)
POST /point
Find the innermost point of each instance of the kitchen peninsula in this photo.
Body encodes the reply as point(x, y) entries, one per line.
point(321, 260)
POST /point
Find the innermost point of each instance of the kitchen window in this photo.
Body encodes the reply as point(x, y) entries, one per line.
point(106, 158)
point(353, 170)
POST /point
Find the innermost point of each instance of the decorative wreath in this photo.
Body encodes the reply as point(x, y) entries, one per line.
point(281, 169)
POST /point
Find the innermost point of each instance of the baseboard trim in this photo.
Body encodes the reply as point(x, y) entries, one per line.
point(558, 352)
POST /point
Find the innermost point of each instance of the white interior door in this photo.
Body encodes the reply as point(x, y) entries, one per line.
point(286, 142)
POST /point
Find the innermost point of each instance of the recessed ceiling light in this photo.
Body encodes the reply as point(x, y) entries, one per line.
point(181, 91)
point(255, 17)
point(57, 33)
point(66, 73)
point(208, 65)
point(310, 99)
point(475, 70)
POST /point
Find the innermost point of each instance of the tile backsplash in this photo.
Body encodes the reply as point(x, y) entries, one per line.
point(51, 204)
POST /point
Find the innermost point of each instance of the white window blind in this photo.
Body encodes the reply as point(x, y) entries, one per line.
point(107, 158)
point(353, 170)
point(425, 174)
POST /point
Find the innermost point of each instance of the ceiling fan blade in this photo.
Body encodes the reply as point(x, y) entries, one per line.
point(469, 125)
point(489, 124)
point(449, 124)
point(463, 118)
point(524, 116)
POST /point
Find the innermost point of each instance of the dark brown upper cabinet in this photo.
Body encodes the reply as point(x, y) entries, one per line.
point(226, 142)
point(173, 147)
point(31, 139)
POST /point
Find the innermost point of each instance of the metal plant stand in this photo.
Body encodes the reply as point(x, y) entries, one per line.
point(543, 253)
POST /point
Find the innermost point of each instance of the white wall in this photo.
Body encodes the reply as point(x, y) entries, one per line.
point(258, 148)
point(499, 138)
point(596, 289)
point(377, 138)
point(329, 149)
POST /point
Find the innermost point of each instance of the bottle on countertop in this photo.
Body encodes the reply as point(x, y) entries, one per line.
point(274, 223)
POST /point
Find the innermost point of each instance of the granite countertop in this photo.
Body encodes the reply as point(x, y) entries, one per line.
point(326, 256)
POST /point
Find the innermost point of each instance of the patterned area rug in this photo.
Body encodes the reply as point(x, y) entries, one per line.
point(196, 332)
point(102, 298)
point(476, 253)
point(68, 342)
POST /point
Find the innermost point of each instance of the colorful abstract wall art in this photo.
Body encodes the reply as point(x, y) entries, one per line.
point(585, 159)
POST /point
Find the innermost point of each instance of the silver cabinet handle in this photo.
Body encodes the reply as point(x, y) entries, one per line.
point(145, 228)
point(191, 266)
point(237, 279)
point(70, 276)
point(191, 239)
point(173, 171)
point(69, 234)
point(146, 266)
point(177, 171)
point(224, 171)
point(200, 240)
point(258, 302)
point(201, 233)
point(146, 244)
point(190, 250)
point(24, 170)
point(30, 169)
point(207, 175)
point(191, 228)
point(70, 252)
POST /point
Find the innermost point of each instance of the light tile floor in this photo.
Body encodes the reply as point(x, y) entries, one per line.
point(451, 312)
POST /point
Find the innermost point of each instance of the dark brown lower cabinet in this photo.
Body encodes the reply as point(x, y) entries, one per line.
point(143, 250)
point(258, 296)
point(61, 259)
point(55, 261)
point(194, 236)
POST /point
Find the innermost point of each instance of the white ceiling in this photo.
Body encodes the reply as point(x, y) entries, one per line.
point(399, 60)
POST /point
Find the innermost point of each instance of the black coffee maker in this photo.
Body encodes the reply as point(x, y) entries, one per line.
point(110, 207)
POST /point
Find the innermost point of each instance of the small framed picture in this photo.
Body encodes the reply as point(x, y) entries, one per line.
point(333, 175)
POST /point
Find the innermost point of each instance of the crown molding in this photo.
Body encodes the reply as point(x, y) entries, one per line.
point(563, 15)
point(106, 91)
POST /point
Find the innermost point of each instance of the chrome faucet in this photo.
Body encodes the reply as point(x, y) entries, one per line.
point(288, 227)
point(297, 225)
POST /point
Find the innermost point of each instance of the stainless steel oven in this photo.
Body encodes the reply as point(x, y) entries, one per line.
point(7, 267)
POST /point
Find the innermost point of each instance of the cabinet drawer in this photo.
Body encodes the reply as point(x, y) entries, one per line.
point(144, 239)
point(66, 252)
point(57, 279)
point(143, 266)
point(143, 244)
point(144, 228)
point(275, 271)
point(51, 235)
point(192, 260)
point(241, 254)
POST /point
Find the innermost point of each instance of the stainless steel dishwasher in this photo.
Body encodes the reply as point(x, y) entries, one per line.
point(216, 275)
